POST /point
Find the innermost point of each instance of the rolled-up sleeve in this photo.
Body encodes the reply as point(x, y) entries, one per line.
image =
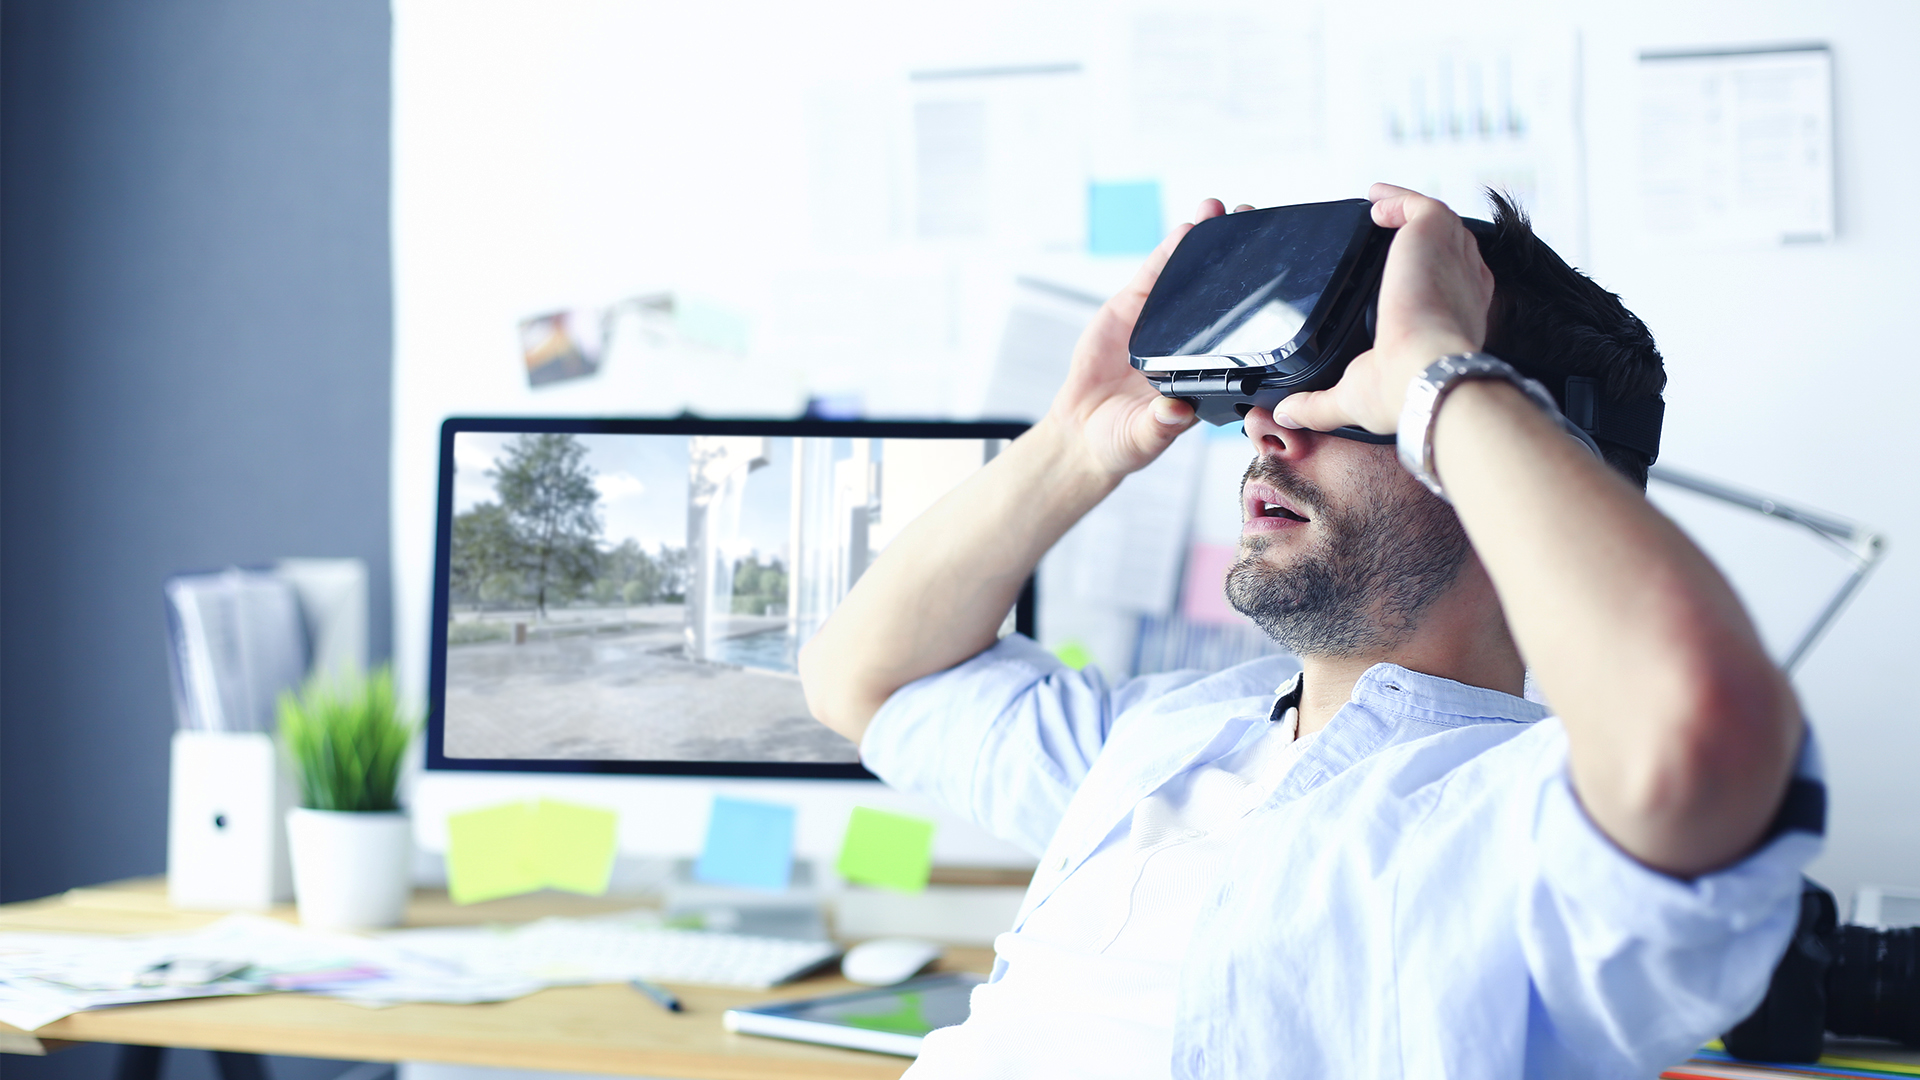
point(1003, 739)
point(1632, 965)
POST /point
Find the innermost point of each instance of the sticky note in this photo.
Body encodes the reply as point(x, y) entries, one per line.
point(520, 847)
point(1123, 219)
point(487, 853)
point(1073, 654)
point(748, 843)
point(574, 846)
point(892, 851)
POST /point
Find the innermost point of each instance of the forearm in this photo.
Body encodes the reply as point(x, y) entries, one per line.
point(1682, 732)
point(940, 591)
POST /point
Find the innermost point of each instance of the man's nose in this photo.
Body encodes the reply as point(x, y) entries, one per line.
point(1271, 440)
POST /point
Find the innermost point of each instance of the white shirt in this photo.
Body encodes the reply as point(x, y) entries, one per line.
point(1421, 895)
point(1090, 981)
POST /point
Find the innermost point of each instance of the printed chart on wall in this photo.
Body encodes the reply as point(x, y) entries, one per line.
point(1469, 113)
point(1737, 145)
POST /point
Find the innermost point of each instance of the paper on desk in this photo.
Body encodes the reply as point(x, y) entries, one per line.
point(44, 977)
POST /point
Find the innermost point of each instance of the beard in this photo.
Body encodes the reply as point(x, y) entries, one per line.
point(1368, 573)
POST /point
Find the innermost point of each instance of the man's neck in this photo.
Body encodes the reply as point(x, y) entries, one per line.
point(1462, 637)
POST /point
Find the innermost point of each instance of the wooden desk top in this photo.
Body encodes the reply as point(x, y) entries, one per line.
point(591, 1029)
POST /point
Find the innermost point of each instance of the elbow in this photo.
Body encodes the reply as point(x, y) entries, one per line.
point(830, 697)
point(1712, 779)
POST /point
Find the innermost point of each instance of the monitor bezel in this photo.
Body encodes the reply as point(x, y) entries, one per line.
point(436, 758)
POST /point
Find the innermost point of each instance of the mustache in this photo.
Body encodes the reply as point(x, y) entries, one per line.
point(1280, 476)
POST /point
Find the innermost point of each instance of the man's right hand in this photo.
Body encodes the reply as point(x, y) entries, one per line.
point(939, 592)
point(1120, 419)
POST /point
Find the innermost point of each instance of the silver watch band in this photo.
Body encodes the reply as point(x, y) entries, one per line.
point(1429, 388)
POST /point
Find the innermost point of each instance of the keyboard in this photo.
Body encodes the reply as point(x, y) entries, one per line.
point(593, 950)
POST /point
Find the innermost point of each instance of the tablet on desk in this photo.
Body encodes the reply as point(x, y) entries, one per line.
point(891, 1019)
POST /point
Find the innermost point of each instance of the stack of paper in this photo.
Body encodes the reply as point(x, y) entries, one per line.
point(44, 977)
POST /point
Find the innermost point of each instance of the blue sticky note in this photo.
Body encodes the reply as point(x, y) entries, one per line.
point(748, 843)
point(1123, 219)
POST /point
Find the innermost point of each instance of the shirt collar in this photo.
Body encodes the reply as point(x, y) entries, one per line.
point(1390, 688)
point(1289, 692)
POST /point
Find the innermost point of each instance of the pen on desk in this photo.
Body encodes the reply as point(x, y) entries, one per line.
point(658, 993)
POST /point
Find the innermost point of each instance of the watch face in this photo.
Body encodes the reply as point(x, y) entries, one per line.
point(1247, 289)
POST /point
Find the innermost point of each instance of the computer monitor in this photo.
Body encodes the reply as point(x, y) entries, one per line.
point(630, 596)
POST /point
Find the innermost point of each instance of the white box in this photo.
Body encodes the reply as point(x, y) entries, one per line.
point(226, 822)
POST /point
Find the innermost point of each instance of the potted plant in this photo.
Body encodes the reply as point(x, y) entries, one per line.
point(352, 845)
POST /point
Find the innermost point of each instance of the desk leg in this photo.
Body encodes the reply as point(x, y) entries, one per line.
point(138, 1063)
point(237, 1066)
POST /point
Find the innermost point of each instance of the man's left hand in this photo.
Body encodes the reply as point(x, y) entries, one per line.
point(1434, 296)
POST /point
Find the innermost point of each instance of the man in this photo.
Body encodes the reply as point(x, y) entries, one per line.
point(1394, 865)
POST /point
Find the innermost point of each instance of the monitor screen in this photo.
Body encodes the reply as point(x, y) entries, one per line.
point(632, 595)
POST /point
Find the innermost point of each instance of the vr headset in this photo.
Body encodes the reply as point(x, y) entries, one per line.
point(1261, 304)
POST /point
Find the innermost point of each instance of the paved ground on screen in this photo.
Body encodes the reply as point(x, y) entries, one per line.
point(615, 684)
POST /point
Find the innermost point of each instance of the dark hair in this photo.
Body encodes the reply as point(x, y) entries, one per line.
point(1551, 321)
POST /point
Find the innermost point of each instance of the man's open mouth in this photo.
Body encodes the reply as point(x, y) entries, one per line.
point(1276, 510)
point(1263, 501)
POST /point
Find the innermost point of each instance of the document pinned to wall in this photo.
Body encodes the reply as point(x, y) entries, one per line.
point(1044, 320)
point(1122, 561)
point(1737, 145)
point(1238, 81)
point(999, 154)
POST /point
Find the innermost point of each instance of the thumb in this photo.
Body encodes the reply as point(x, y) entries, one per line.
point(1173, 413)
point(1316, 409)
point(1166, 418)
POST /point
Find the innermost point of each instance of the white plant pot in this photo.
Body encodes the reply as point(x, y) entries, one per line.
point(351, 871)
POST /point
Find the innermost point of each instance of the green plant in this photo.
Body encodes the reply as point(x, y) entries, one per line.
point(346, 737)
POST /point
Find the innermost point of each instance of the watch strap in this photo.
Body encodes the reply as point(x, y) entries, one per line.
point(1431, 387)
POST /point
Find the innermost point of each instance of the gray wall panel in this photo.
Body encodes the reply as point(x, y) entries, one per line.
point(195, 359)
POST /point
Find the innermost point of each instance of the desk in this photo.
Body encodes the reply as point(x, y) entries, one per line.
point(590, 1029)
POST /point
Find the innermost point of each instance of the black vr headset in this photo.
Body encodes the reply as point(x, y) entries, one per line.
point(1261, 304)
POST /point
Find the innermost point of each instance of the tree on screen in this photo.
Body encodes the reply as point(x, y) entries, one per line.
point(484, 560)
point(546, 491)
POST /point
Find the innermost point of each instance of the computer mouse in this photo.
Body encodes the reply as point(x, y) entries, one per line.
point(885, 961)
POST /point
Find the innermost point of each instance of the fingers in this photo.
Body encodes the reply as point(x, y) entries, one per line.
point(1242, 208)
point(1314, 409)
point(1394, 207)
point(1209, 208)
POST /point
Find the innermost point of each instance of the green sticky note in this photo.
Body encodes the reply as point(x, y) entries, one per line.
point(574, 846)
point(521, 847)
point(1073, 654)
point(892, 851)
point(488, 853)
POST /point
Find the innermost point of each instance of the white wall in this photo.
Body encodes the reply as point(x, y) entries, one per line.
point(577, 152)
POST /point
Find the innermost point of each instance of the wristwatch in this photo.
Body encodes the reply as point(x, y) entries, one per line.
point(1431, 387)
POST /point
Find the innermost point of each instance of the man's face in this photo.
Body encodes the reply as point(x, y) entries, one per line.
point(1340, 549)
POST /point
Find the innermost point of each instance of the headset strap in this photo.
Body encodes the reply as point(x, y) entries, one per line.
point(1634, 423)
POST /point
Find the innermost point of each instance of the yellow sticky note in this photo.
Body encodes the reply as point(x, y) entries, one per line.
point(487, 853)
point(892, 851)
point(575, 846)
point(521, 847)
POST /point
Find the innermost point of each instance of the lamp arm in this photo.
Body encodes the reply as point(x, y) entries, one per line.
point(1865, 545)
